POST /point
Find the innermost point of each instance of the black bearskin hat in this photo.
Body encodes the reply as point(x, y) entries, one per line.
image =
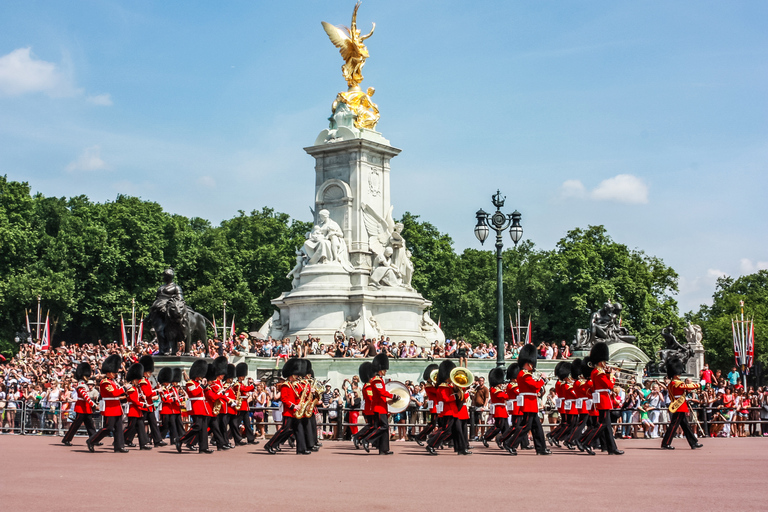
point(563, 370)
point(513, 371)
point(210, 373)
point(165, 375)
point(428, 372)
point(365, 372)
point(176, 375)
point(231, 372)
point(289, 368)
point(111, 364)
point(241, 370)
point(586, 368)
point(83, 371)
point(310, 371)
point(527, 355)
point(380, 362)
point(148, 363)
point(576, 368)
point(220, 366)
point(599, 353)
point(136, 371)
point(675, 367)
point(198, 370)
point(495, 377)
point(444, 371)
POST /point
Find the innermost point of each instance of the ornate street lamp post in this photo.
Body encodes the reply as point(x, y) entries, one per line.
point(499, 222)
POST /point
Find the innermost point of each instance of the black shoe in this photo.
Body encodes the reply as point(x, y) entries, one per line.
point(465, 452)
point(89, 444)
point(366, 446)
point(549, 440)
point(498, 442)
point(305, 452)
point(319, 444)
point(121, 450)
point(697, 445)
point(355, 442)
point(667, 447)
point(222, 448)
point(617, 452)
point(278, 449)
point(545, 451)
point(190, 447)
point(269, 449)
point(207, 450)
point(315, 448)
point(291, 443)
point(243, 442)
point(431, 450)
point(557, 443)
point(389, 452)
point(99, 443)
point(161, 443)
point(145, 447)
point(67, 443)
point(178, 445)
point(588, 449)
point(511, 450)
point(420, 442)
point(485, 443)
point(130, 445)
point(528, 447)
point(579, 445)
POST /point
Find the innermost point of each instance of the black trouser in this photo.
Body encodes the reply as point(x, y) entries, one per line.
point(310, 430)
point(570, 423)
point(232, 421)
point(80, 419)
point(114, 424)
point(283, 433)
point(500, 426)
point(244, 417)
point(422, 436)
point(171, 423)
point(555, 431)
point(590, 437)
point(515, 423)
point(579, 424)
point(460, 439)
point(444, 431)
point(136, 426)
point(363, 432)
point(530, 423)
point(197, 432)
point(154, 431)
point(679, 420)
point(604, 432)
point(380, 432)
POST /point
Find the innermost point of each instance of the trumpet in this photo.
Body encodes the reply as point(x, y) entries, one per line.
point(540, 376)
point(622, 376)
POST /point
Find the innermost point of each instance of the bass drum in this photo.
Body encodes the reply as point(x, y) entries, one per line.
point(400, 390)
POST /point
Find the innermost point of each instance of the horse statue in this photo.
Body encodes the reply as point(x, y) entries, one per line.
point(173, 321)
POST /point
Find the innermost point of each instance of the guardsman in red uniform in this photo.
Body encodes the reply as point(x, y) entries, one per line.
point(515, 413)
point(460, 433)
point(244, 389)
point(579, 407)
point(499, 399)
point(229, 426)
point(563, 373)
point(430, 390)
point(84, 406)
point(570, 414)
point(602, 386)
point(136, 406)
point(446, 407)
point(677, 390)
point(365, 371)
point(527, 398)
point(168, 406)
point(215, 393)
point(381, 397)
point(290, 397)
point(111, 409)
point(148, 409)
point(199, 407)
point(310, 423)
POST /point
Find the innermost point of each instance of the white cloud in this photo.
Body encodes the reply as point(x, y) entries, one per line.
point(748, 267)
point(572, 188)
point(713, 274)
point(21, 73)
point(623, 188)
point(206, 182)
point(103, 100)
point(89, 160)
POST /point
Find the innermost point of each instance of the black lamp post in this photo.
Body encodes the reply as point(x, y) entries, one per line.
point(499, 222)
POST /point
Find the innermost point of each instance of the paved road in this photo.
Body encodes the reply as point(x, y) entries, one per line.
point(41, 474)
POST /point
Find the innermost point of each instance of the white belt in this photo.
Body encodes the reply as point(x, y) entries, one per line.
point(589, 404)
point(108, 398)
point(596, 394)
point(568, 404)
point(197, 398)
point(579, 403)
point(500, 405)
point(521, 398)
point(558, 402)
point(510, 404)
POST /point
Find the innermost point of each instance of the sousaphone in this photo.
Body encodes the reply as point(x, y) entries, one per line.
point(401, 391)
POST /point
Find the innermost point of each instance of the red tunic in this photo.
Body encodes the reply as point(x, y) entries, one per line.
point(529, 388)
point(110, 394)
point(463, 410)
point(367, 399)
point(84, 404)
point(244, 390)
point(432, 398)
point(446, 402)
point(289, 395)
point(512, 391)
point(560, 395)
point(149, 394)
point(499, 402)
point(134, 403)
point(602, 385)
point(215, 392)
point(171, 401)
point(570, 398)
point(380, 395)
point(197, 404)
point(677, 388)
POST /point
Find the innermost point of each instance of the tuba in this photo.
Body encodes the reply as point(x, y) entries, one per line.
point(461, 377)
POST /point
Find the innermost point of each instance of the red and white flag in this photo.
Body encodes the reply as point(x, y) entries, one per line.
point(26, 313)
point(528, 335)
point(215, 329)
point(45, 341)
point(751, 344)
point(232, 329)
point(141, 329)
point(123, 336)
point(512, 329)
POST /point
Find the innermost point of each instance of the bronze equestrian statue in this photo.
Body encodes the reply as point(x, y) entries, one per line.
point(174, 321)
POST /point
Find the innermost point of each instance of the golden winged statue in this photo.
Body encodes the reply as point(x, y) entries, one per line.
point(353, 51)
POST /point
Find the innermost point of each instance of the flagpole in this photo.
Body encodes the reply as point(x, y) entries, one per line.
point(133, 322)
point(224, 327)
point(518, 322)
point(37, 338)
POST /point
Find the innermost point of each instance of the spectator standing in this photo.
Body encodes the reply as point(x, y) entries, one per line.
point(707, 376)
point(480, 403)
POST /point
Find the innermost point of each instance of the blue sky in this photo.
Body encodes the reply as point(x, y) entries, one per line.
point(648, 117)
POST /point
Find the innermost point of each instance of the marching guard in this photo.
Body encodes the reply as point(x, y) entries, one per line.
point(446, 407)
point(679, 406)
point(136, 407)
point(430, 390)
point(243, 391)
point(498, 405)
point(170, 404)
point(84, 406)
point(365, 372)
point(289, 397)
point(602, 385)
point(110, 406)
point(201, 410)
point(381, 397)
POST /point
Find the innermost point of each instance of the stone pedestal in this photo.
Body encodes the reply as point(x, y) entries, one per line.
point(696, 363)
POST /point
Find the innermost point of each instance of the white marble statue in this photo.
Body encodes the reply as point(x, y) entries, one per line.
point(693, 334)
point(325, 243)
point(392, 264)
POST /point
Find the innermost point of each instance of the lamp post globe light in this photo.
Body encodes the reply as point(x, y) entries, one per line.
point(499, 222)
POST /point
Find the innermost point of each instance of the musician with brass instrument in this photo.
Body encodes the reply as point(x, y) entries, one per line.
point(136, 403)
point(446, 407)
point(529, 385)
point(229, 426)
point(215, 395)
point(515, 413)
point(365, 371)
point(498, 405)
point(461, 379)
point(569, 407)
point(148, 408)
point(381, 397)
point(430, 390)
point(563, 373)
point(602, 385)
point(165, 391)
point(580, 392)
point(243, 391)
point(198, 407)
point(292, 399)
point(310, 416)
point(678, 408)
point(110, 407)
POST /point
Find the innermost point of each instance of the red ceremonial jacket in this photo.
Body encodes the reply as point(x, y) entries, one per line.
point(111, 393)
point(289, 395)
point(84, 404)
point(529, 387)
point(149, 394)
point(134, 402)
point(198, 405)
point(570, 396)
point(432, 398)
point(367, 399)
point(512, 390)
point(499, 402)
point(602, 385)
point(244, 390)
point(380, 395)
point(677, 388)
